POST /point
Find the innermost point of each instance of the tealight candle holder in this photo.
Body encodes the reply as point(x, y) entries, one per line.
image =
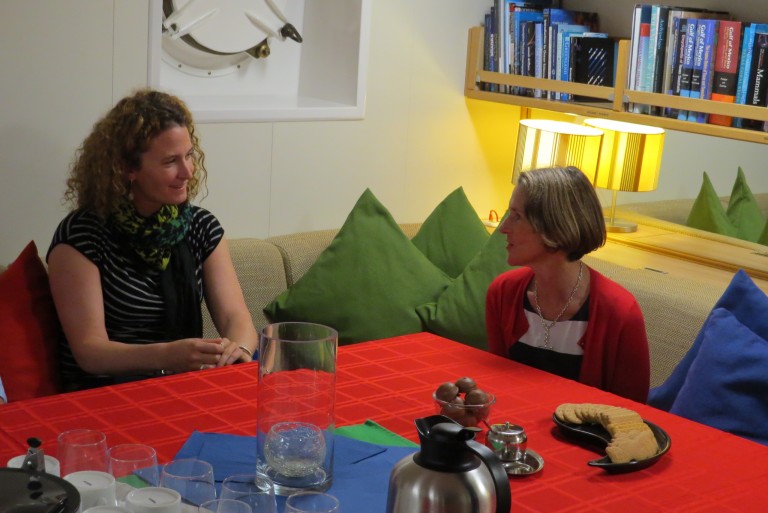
point(153, 499)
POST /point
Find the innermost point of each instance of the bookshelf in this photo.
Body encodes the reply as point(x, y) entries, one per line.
point(616, 102)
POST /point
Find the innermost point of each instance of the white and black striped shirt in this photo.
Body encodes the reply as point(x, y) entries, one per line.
point(134, 311)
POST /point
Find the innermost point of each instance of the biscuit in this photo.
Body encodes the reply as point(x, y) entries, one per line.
point(633, 445)
point(631, 438)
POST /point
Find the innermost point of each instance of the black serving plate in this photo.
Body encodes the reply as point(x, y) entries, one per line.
point(597, 434)
point(36, 492)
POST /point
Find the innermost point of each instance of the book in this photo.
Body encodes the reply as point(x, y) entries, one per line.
point(592, 61)
point(686, 72)
point(658, 47)
point(528, 50)
point(745, 65)
point(672, 62)
point(563, 33)
point(538, 67)
point(726, 68)
point(643, 48)
point(567, 65)
point(552, 17)
point(757, 86)
point(702, 63)
point(520, 15)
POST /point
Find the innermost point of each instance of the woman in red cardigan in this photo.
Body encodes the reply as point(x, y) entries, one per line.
point(553, 312)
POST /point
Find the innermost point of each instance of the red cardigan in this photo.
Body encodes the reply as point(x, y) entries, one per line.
point(616, 357)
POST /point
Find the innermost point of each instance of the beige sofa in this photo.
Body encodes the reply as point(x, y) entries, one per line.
point(674, 308)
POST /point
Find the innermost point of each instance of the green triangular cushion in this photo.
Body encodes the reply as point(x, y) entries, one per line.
point(367, 283)
point(743, 211)
point(459, 313)
point(452, 234)
point(708, 213)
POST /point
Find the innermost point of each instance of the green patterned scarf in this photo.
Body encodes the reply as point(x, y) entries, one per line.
point(153, 237)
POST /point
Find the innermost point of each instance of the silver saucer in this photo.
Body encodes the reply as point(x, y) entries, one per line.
point(530, 464)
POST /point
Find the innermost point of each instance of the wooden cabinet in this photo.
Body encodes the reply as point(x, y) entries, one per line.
point(615, 100)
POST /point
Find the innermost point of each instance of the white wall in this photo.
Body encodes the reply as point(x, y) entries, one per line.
point(65, 63)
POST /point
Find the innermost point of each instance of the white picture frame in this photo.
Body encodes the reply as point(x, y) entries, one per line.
point(322, 78)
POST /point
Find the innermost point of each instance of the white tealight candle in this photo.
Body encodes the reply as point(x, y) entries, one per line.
point(153, 500)
point(96, 488)
point(107, 509)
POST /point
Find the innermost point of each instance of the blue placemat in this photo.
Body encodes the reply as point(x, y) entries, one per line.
point(360, 471)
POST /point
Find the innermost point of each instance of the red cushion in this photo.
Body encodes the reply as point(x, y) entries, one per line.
point(29, 329)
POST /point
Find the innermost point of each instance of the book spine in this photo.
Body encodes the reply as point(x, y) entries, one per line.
point(704, 38)
point(650, 62)
point(538, 43)
point(642, 55)
point(565, 64)
point(676, 64)
point(707, 69)
point(528, 32)
point(745, 65)
point(687, 72)
point(634, 48)
point(659, 51)
point(726, 67)
point(758, 78)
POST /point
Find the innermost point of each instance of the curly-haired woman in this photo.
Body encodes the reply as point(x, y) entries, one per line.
point(131, 263)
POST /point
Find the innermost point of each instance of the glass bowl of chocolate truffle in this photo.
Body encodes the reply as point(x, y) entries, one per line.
point(463, 401)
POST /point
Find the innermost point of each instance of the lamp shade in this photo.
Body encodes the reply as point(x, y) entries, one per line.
point(630, 155)
point(547, 143)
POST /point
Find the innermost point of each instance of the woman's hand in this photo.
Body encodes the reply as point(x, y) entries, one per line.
point(194, 354)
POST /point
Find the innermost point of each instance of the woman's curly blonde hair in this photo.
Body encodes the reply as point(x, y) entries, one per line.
point(97, 177)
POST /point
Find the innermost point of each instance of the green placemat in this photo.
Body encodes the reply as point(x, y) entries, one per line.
point(375, 434)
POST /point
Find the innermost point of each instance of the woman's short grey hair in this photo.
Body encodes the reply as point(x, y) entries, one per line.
point(562, 207)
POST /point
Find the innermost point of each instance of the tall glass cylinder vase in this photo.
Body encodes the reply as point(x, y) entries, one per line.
point(296, 398)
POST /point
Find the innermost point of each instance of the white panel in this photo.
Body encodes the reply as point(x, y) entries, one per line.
point(321, 78)
point(238, 159)
point(56, 80)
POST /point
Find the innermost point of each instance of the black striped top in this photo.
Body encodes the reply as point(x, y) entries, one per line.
point(133, 303)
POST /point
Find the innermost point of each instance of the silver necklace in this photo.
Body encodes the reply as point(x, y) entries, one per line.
point(548, 325)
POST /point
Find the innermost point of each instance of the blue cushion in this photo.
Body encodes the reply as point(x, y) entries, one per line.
point(726, 384)
point(747, 303)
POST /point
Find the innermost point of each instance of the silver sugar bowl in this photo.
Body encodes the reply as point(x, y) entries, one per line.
point(508, 441)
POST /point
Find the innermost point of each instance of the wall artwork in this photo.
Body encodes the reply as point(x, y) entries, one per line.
point(262, 60)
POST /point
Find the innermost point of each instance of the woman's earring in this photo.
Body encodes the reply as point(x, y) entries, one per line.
point(130, 192)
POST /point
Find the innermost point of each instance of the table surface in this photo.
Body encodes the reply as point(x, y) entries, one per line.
point(390, 381)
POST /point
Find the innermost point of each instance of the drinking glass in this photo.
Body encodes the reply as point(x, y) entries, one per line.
point(224, 506)
point(192, 478)
point(256, 490)
point(135, 464)
point(295, 406)
point(82, 449)
point(311, 502)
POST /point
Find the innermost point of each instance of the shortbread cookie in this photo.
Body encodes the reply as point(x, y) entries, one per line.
point(632, 445)
point(631, 438)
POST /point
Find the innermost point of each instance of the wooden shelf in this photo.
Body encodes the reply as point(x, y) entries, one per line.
point(616, 100)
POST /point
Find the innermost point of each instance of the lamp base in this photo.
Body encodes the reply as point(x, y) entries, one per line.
point(619, 226)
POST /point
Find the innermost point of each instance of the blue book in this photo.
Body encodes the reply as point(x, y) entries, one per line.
point(538, 70)
point(708, 66)
point(702, 51)
point(745, 65)
point(686, 73)
point(566, 61)
point(643, 50)
point(563, 33)
point(553, 18)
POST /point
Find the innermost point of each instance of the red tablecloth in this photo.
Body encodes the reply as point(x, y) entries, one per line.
point(391, 381)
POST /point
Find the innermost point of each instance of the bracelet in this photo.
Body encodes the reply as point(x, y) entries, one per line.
point(246, 351)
